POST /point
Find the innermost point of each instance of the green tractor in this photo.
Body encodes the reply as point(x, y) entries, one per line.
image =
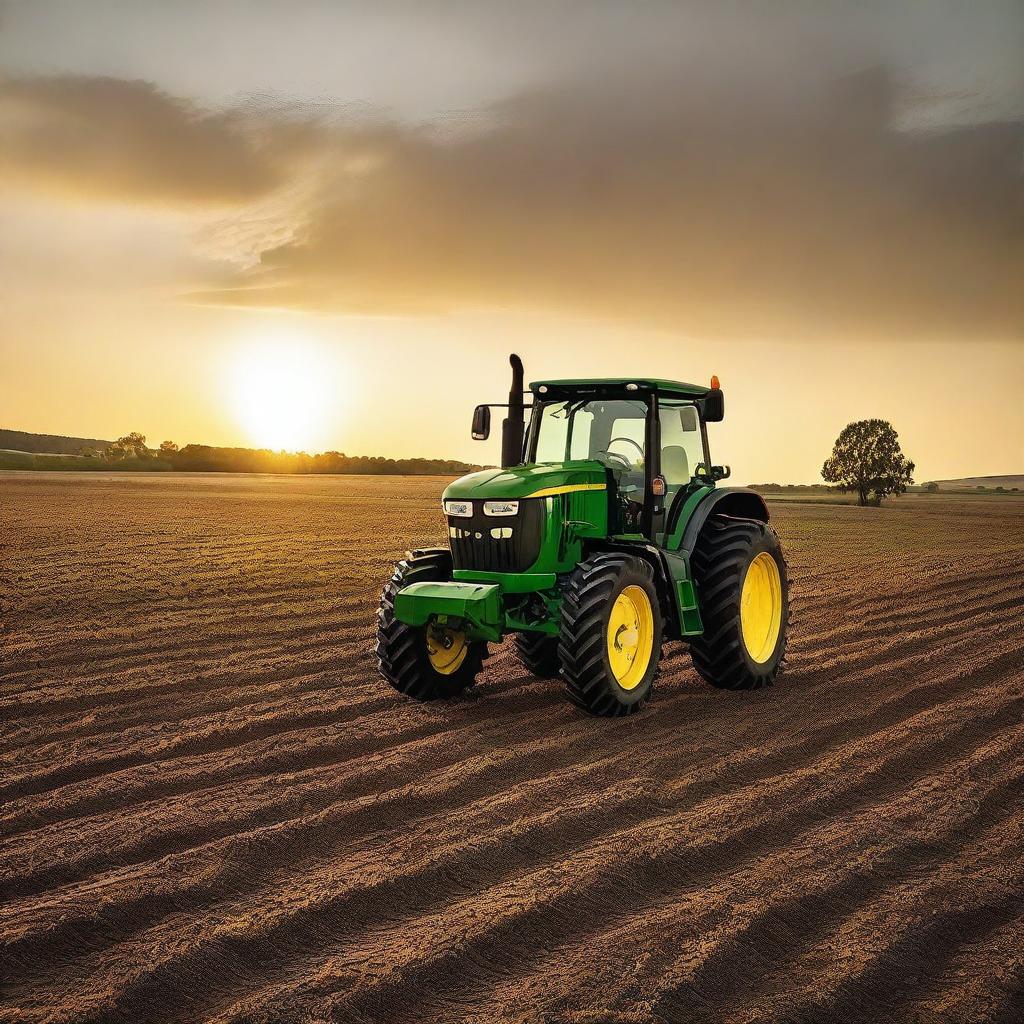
point(603, 534)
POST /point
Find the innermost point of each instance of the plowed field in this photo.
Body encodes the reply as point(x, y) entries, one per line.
point(214, 809)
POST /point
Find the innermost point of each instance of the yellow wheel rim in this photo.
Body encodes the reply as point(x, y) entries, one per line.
point(630, 636)
point(446, 648)
point(761, 607)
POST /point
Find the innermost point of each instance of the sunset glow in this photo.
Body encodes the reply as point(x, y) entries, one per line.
point(279, 238)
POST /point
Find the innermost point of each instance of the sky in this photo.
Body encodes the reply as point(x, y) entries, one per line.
point(324, 225)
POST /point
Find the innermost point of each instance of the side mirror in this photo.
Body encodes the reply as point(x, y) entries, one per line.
point(481, 423)
point(701, 472)
point(714, 406)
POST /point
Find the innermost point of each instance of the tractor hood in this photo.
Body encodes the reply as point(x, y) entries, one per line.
point(532, 481)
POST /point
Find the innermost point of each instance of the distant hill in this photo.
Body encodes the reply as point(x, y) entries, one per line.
point(50, 444)
point(970, 483)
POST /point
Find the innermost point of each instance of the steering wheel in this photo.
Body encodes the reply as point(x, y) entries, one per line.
point(617, 455)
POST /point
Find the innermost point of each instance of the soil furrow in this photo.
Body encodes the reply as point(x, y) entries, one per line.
point(214, 809)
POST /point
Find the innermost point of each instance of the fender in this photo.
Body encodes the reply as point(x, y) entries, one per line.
point(739, 502)
point(671, 572)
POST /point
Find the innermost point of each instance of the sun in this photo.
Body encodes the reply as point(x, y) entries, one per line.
point(280, 393)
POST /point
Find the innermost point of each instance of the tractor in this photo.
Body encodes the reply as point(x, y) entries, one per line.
point(604, 534)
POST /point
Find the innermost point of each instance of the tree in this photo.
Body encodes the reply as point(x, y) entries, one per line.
point(867, 459)
point(168, 447)
point(931, 487)
point(131, 446)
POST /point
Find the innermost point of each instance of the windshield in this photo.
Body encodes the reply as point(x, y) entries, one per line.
point(611, 431)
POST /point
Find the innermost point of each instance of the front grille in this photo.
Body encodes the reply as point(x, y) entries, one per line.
point(497, 543)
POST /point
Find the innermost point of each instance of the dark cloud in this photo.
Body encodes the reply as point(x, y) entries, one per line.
point(718, 204)
point(127, 140)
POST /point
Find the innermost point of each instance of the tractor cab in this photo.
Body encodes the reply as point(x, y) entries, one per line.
point(650, 437)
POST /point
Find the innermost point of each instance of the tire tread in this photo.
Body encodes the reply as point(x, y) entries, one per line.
point(581, 644)
point(719, 562)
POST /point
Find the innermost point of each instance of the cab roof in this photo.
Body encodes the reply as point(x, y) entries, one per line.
point(668, 388)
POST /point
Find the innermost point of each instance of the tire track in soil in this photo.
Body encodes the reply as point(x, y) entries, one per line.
point(574, 928)
point(315, 924)
point(765, 758)
point(881, 716)
point(918, 649)
point(777, 906)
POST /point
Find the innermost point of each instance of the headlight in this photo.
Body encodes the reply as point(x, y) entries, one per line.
point(501, 508)
point(459, 508)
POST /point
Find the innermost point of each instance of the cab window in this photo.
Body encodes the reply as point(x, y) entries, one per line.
point(582, 425)
point(554, 434)
point(682, 447)
point(627, 439)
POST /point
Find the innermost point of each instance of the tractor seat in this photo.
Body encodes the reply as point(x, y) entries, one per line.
point(675, 466)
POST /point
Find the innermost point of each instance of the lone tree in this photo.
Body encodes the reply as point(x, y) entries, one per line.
point(867, 459)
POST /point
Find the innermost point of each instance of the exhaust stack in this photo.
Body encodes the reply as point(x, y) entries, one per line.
point(512, 425)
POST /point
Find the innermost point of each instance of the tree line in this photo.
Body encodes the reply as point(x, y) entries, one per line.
point(131, 452)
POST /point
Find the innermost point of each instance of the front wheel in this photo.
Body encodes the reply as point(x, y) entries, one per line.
point(743, 589)
point(424, 662)
point(610, 639)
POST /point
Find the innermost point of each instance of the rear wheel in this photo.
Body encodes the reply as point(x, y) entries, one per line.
point(539, 653)
point(424, 662)
point(610, 640)
point(741, 580)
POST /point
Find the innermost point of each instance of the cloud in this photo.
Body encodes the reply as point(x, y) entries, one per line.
point(718, 204)
point(743, 193)
point(126, 140)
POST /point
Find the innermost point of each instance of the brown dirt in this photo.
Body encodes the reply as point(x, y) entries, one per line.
point(213, 808)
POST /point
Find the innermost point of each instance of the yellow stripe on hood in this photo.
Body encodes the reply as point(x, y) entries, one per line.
point(548, 492)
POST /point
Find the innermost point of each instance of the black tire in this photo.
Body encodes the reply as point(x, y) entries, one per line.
point(583, 641)
point(402, 649)
point(723, 554)
point(539, 653)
